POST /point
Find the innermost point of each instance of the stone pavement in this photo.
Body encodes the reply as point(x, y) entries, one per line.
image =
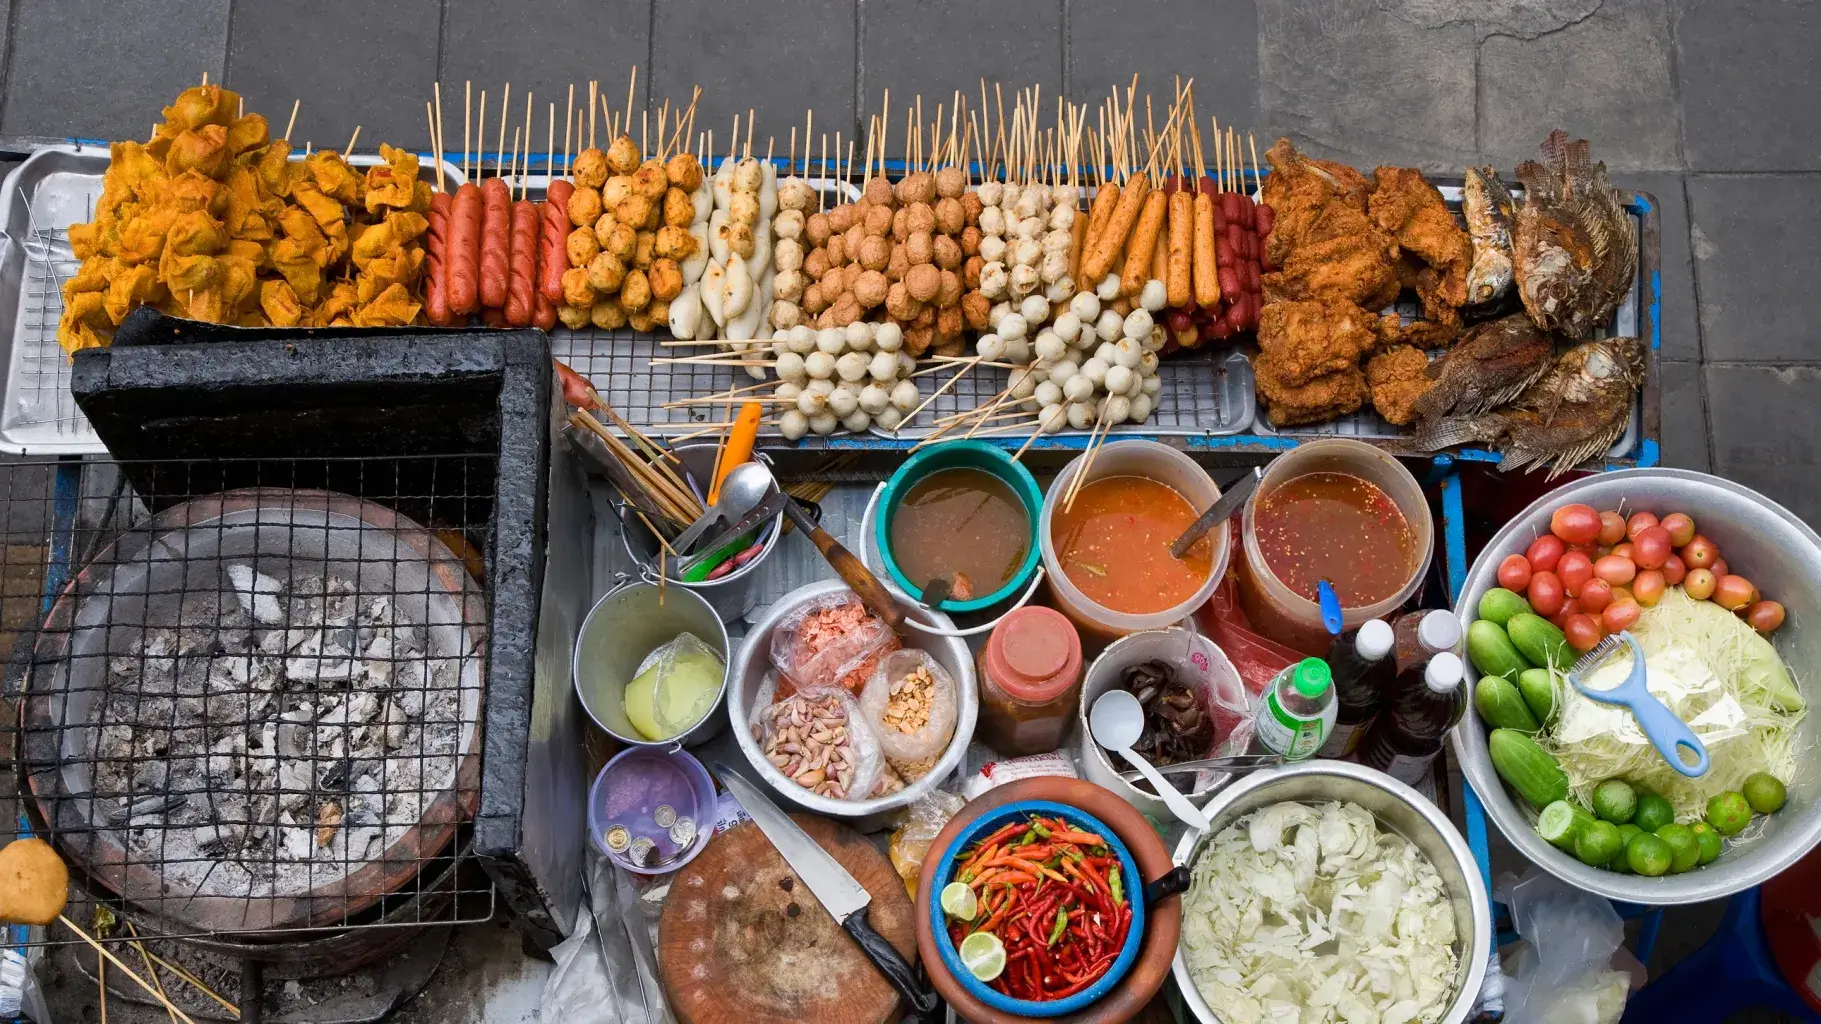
point(1708, 105)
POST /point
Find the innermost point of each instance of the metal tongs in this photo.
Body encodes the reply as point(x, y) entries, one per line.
point(1235, 764)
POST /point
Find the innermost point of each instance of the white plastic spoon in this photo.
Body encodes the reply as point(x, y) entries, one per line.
point(1117, 721)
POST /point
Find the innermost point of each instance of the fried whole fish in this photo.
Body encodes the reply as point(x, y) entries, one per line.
point(1490, 213)
point(1574, 253)
point(1572, 413)
point(1493, 364)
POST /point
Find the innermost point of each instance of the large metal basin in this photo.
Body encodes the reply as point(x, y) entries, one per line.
point(1760, 540)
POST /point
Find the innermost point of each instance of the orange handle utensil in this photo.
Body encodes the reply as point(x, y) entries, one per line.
point(739, 447)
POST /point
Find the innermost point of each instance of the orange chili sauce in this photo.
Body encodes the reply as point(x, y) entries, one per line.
point(1338, 527)
point(1114, 545)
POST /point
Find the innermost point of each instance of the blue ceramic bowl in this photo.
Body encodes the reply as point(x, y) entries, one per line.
point(961, 455)
point(986, 825)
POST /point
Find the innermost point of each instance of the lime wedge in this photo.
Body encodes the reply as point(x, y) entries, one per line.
point(983, 955)
point(959, 902)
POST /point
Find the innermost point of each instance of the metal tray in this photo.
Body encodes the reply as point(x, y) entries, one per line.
point(53, 188)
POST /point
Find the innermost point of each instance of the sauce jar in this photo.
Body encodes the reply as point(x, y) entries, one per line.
point(1030, 682)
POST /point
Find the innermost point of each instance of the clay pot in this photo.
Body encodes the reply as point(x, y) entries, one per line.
point(1163, 922)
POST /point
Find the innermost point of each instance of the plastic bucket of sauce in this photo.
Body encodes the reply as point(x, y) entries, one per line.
point(1279, 611)
point(954, 458)
point(1142, 544)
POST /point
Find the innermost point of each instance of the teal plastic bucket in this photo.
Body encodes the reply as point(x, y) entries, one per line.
point(960, 455)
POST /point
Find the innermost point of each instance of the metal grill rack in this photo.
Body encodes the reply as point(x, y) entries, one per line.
point(249, 692)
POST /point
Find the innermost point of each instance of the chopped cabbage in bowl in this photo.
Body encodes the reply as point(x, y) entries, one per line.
point(1302, 914)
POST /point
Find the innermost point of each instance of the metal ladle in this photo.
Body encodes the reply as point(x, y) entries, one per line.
point(1117, 721)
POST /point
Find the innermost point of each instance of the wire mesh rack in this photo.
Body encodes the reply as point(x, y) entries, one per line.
point(246, 694)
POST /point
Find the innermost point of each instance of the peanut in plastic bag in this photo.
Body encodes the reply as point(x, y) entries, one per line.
point(831, 640)
point(911, 705)
point(817, 738)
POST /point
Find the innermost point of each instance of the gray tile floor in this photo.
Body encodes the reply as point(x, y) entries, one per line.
point(1708, 105)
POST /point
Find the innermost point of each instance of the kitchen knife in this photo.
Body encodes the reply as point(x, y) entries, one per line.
point(764, 510)
point(844, 899)
point(1223, 510)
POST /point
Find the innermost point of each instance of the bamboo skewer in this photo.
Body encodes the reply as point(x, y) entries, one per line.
point(149, 970)
point(292, 123)
point(141, 982)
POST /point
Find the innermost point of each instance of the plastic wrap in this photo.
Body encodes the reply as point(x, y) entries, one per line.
point(911, 704)
point(1566, 973)
point(830, 640)
point(675, 687)
point(922, 823)
point(1257, 659)
point(818, 738)
point(606, 971)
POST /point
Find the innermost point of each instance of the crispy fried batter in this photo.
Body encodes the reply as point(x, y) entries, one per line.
point(1307, 339)
point(1321, 398)
point(1405, 206)
point(1398, 377)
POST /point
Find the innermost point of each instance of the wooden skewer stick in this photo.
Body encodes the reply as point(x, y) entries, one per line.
point(352, 139)
point(593, 92)
point(1035, 434)
point(632, 83)
point(292, 123)
point(438, 86)
point(141, 982)
point(467, 112)
point(146, 958)
point(499, 145)
point(952, 381)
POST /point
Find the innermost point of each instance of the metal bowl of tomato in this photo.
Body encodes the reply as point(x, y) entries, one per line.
point(1062, 892)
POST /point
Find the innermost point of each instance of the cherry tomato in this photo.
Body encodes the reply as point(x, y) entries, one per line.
point(1569, 607)
point(1596, 595)
point(1622, 594)
point(1544, 552)
point(1615, 569)
point(1732, 592)
point(1545, 594)
point(1651, 548)
point(1514, 573)
point(1620, 615)
point(1622, 550)
point(1612, 528)
point(1575, 524)
point(1681, 528)
point(1720, 568)
point(1582, 631)
point(1648, 587)
point(1575, 569)
point(1700, 583)
point(1700, 553)
point(1638, 523)
point(1674, 570)
point(1765, 616)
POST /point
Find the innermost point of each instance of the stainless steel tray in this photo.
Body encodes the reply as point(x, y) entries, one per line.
point(54, 188)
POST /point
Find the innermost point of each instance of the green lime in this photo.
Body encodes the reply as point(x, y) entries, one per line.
point(1653, 812)
point(1708, 840)
point(1729, 813)
point(1764, 792)
point(959, 901)
point(1615, 801)
point(983, 955)
point(1596, 843)
point(1684, 850)
point(1648, 855)
point(1618, 862)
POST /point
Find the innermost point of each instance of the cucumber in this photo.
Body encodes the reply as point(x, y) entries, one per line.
point(1501, 706)
point(1499, 605)
point(1538, 641)
point(1538, 688)
point(1491, 650)
point(1527, 768)
point(1561, 823)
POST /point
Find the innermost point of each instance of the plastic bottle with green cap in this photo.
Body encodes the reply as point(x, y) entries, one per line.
point(1297, 713)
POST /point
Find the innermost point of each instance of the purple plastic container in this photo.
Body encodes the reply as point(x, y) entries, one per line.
point(655, 796)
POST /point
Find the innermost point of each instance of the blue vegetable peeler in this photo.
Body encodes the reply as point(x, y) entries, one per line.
point(1666, 732)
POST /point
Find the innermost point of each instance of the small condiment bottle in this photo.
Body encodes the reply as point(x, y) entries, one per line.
point(1421, 708)
point(1362, 669)
point(1297, 712)
point(1030, 682)
point(1422, 635)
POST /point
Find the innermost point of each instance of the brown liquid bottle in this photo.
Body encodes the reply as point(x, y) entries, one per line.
point(1363, 668)
point(1420, 709)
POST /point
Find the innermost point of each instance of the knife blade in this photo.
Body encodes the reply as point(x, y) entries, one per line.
point(772, 504)
point(1223, 510)
point(845, 899)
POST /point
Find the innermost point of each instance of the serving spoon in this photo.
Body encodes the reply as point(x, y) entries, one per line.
point(1117, 721)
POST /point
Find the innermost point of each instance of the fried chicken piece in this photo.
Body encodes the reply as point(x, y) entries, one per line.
point(1422, 333)
point(1354, 268)
point(1321, 398)
point(1398, 377)
point(1308, 339)
point(1407, 207)
point(1292, 173)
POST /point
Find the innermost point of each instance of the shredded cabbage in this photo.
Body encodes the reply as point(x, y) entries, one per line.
point(1312, 915)
point(1713, 671)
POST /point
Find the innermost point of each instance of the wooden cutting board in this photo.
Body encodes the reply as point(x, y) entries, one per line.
point(743, 941)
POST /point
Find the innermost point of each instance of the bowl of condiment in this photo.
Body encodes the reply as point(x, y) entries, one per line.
point(651, 810)
point(650, 665)
point(1064, 943)
point(754, 687)
point(1193, 700)
point(1413, 836)
point(1108, 551)
point(1339, 510)
point(964, 510)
